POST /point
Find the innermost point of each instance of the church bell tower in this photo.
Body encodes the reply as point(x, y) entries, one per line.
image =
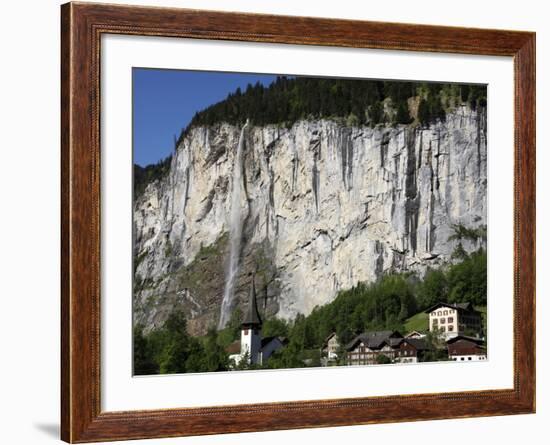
point(251, 329)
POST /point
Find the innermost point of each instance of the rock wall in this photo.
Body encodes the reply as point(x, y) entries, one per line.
point(326, 206)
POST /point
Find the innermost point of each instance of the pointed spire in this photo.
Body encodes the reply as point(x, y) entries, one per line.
point(252, 317)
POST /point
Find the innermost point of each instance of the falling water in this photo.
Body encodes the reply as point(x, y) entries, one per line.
point(235, 234)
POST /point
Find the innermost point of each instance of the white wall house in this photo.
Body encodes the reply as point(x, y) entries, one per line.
point(330, 348)
point(450, 320)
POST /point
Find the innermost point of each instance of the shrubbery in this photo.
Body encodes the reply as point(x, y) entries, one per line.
point(172, 350)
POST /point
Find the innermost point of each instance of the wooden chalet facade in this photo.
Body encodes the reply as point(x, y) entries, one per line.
point(462, 348)
point(369, 347)
point(411, 350)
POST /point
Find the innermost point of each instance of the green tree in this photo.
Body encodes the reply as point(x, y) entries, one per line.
point(143, 360)
point(432, 289)
point(177, 344)
point(376, 113)
point(459, 253)
point(423, 112)
point(196, 358)
point(467, 280)
point(436, 348)
point(213, 356)
point(275, 327)
point(382, 359)
point(402, 116)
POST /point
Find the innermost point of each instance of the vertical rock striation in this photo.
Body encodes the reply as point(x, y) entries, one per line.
point(328, 206)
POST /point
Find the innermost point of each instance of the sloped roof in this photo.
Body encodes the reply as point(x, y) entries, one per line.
point(394, 341)
point(328, 337)
point(267, 340)
point(374, 339)
point(477, 341)
point(459, 306)
point(418, 343)
point(252, 317)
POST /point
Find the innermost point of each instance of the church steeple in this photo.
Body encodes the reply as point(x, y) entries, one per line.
point(252, 318)
point(251, 329)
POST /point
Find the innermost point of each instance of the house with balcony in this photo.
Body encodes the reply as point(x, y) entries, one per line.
point(369, 347)
point(452, 319)
point(366, 348)
point(410, 350)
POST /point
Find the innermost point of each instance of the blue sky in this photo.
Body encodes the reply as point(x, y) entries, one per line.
point(164, 101)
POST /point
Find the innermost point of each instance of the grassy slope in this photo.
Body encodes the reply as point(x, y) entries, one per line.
point(418, 322)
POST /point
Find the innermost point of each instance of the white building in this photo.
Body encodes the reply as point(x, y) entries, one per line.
point(450, 320)
point(329, 350)
point(251, 345)
point(330, 347)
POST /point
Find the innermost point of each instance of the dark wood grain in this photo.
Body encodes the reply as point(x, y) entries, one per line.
point(81, 29)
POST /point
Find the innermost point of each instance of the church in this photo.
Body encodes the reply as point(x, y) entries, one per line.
point(252, 347)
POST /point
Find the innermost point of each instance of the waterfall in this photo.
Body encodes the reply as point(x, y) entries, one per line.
point(235, 233)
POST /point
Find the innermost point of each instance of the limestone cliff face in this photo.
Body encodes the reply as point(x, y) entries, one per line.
point(325, 207)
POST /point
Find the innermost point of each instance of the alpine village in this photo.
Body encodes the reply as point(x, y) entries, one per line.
point(453, 332)
point(443, 331)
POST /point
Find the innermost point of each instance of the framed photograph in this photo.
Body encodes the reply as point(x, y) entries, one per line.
point(275, 222)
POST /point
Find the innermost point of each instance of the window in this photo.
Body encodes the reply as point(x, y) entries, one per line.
point(442, 321)
point(246, 332)
point(462, 359)
point(438, 312)
point(445, 312)
point(450, 320)
point(469, 358)
point(450, 328)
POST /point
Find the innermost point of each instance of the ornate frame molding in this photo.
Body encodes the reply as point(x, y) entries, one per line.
point(82, 25)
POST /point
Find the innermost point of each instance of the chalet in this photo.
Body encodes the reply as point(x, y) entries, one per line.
point(367, 348)
point(415, 334)
point(451, 320)
point(410, 350)
point(251, 345)
point(462, 348)
point(329, 350)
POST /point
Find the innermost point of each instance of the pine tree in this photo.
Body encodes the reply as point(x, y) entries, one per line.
point(423, 112)
point(402, 116)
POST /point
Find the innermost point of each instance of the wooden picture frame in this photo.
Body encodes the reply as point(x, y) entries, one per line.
point(82, 26)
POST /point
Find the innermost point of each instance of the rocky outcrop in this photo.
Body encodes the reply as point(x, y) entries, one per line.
point(327, 206)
